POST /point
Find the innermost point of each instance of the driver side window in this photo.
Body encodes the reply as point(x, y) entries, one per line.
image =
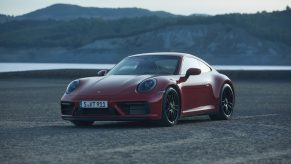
point(189, 62)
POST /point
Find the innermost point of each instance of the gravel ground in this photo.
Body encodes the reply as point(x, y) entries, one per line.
point(31, 130)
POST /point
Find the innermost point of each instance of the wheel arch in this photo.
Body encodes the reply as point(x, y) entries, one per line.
point(218, 82)
point(229, 82)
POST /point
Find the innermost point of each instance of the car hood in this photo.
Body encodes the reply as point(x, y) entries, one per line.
point(110, 85)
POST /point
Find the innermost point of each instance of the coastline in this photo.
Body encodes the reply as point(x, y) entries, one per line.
point(80, 73)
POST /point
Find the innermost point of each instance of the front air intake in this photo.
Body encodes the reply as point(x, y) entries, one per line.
point(67, 108)
point(135, 108)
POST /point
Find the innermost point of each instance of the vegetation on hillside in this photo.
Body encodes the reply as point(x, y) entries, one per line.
point(275, 26)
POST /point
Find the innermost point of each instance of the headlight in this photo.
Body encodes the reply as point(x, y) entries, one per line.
point(72, 86)
point(147, 85)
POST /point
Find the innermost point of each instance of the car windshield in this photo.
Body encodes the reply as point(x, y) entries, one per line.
point(148, 64)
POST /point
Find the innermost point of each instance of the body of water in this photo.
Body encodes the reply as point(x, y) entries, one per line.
point(15, 67)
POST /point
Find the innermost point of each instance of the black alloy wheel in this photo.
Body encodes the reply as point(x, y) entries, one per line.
point(171, 107)
point(226, 104)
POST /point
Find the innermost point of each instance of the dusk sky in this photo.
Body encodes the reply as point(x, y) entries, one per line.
point(182, 7)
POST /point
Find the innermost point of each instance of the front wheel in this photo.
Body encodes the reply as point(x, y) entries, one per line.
point(226, 104)
point(82, 123)
point(171, 108)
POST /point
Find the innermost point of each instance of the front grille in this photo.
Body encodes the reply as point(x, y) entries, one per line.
point(134, 108)
point(96, 112)
point(67, 108)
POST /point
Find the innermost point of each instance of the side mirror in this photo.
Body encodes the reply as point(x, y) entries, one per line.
point(102, 72)
point(192, 71)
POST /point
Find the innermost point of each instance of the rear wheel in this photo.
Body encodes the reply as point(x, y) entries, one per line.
point(226, 104)
point(171, 108)
point(82, 123)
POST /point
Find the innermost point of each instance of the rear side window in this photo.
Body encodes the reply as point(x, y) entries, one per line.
point(204, 68)
point(188, 63)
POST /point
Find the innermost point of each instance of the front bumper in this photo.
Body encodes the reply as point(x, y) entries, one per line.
point(145, 107)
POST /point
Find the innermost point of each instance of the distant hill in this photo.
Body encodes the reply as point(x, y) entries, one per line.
point(69, 12)
point(253, 39)
point(5, 18)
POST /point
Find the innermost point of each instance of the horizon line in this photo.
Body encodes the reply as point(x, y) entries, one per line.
point(206, 14)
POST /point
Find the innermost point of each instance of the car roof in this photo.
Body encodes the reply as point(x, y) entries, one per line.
point(164, 53)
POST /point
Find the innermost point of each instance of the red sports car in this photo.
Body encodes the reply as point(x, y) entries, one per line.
point(161, 87)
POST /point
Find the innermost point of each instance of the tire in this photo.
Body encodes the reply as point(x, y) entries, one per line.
point(170, 108)
point(226, 104)
point(82, 123)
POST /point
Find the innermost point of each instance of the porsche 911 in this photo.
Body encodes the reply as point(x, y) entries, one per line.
point(159, 87)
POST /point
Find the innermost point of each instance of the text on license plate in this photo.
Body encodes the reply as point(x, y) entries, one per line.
point(93, 104)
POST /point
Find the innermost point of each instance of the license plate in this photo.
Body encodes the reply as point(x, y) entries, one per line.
point(94, 104)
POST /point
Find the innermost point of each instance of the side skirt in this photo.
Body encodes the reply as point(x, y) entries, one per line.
point(198, 111)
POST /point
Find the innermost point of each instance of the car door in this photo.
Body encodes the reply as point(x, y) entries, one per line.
point(196, 89)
